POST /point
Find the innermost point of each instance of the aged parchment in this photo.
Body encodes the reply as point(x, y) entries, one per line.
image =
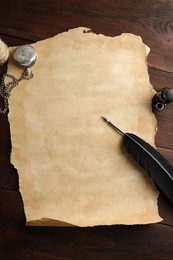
point(72, 166)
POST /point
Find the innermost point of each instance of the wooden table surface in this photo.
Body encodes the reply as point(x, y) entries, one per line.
point(23, 21)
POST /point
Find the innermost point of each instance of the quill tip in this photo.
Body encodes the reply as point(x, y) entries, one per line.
point(104, 119)
point(113, 126)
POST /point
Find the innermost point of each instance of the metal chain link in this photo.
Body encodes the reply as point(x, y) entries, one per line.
point(5, 89)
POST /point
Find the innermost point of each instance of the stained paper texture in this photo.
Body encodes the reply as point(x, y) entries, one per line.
point(72, 166)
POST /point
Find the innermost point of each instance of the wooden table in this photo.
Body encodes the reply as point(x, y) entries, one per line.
point(29, 21)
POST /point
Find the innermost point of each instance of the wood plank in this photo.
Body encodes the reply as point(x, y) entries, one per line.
point(28, 21)
point(167, 153)
point(142, 242)
point(164, 135)
point(8, 177)
point(13, 41)
point(165, 210)
point(150, 19)
point(11, 210)
point(160, 79)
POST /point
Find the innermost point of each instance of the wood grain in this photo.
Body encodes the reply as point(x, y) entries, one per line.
point(23, 22)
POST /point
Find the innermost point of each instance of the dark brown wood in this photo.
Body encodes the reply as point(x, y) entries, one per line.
point(23, 21)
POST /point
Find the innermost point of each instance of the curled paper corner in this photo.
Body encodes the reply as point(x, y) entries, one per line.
point(87, 31)
point(48, 222)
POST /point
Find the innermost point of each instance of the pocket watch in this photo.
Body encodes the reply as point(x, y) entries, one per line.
point(25, 57)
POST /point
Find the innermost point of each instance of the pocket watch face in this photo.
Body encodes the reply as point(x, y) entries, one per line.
point(25, 56)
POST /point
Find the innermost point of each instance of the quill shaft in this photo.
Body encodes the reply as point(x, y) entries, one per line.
point(158, 168)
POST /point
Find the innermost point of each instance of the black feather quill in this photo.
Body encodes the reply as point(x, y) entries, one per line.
point(158, 168)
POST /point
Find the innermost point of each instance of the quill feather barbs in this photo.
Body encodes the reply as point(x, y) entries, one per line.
point(158, 168)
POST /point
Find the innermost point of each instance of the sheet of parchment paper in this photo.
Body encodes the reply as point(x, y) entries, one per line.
point(72, 166)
